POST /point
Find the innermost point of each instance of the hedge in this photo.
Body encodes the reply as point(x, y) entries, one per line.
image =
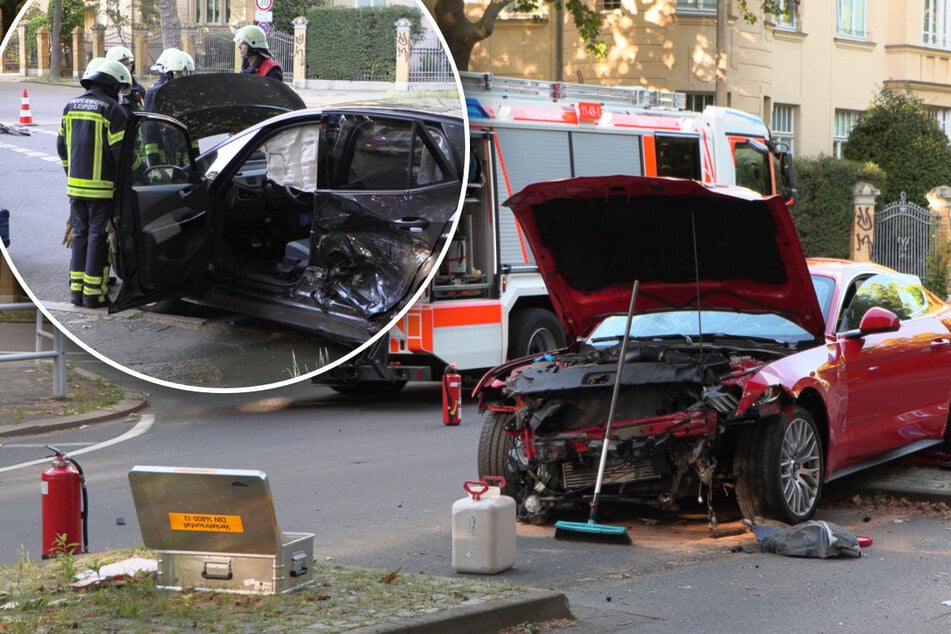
point(824, 211)
point(355, 44)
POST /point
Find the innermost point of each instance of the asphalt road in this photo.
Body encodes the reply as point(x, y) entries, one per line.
point(376, 482)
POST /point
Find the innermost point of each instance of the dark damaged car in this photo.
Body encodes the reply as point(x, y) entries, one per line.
point(737, 380)
point(327, 220)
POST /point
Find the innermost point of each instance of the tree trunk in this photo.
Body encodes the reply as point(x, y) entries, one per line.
point(720, 59)
point(171, 25)
point(461, 34)
point(56, 47)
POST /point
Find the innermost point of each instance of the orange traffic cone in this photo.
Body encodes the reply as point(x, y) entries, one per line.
point(26, 118)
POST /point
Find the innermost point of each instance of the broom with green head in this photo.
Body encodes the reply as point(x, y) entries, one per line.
point(591, 530)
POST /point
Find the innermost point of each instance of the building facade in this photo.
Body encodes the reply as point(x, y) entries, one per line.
point(810, 72)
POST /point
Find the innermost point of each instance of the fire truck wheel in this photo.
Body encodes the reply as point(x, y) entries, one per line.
point(534, 331)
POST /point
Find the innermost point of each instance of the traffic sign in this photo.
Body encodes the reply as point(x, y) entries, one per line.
point(265, 26)
point(263, 16)
point(264, 5)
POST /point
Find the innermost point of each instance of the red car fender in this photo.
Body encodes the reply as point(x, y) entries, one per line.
point(762, 387)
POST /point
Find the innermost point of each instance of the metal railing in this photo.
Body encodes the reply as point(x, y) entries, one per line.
point(57, 354)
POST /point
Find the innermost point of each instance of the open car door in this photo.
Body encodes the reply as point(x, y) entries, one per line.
point(385, 207)
point(162, 214)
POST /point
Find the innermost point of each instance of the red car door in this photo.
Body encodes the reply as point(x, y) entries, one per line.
point(898, 385)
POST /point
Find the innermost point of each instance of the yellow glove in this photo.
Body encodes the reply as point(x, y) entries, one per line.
point(68, 236)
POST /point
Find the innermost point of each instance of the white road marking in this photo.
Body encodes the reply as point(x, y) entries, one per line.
point(43, 156)
point(144, 424)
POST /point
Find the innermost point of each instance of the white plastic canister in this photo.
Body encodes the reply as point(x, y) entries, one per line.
point(483, 528)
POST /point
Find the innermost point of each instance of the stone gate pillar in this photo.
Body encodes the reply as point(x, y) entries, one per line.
point(189, 35)
point(939, 200)
point(79, 55)
point(300, 52)
point(24, 51)
point(863, 224)
point(404, 48)
point(42, 51)
point(140, 49)
point(98, 40)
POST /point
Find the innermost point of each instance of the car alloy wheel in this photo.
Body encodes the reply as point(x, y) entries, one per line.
point(778, 465)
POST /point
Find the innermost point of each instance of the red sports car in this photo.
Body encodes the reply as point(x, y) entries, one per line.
point(746, 371)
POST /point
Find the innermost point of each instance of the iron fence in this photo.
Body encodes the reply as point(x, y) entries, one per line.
point(905, 237)
point(430, 64)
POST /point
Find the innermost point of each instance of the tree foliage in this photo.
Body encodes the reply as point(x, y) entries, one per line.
point(898, 134)
point(462, 34)
point(9, 9)
point(286, 10)
point(73, 15)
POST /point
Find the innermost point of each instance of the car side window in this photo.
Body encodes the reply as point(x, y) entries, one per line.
point(901, 294)
point(378, 155)
point(162, 155)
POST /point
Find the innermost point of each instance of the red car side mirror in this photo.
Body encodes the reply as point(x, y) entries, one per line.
point(875, 320)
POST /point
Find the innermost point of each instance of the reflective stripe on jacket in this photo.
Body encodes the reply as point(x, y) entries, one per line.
point(89, 143)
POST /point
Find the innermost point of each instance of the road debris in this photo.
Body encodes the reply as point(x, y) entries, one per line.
point(814, 538)
point(119, 572)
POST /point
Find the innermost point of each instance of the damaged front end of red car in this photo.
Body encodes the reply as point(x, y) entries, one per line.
point(672, 438)
point(724, 292)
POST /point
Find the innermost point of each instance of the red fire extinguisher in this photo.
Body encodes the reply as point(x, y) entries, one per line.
point(65, 509)
point(451, 396)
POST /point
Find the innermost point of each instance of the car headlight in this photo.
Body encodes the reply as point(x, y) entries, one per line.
point(768, 402)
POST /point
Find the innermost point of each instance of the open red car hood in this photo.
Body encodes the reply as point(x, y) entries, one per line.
point(593, 237)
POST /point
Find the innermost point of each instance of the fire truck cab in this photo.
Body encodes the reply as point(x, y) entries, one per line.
point(487, 302)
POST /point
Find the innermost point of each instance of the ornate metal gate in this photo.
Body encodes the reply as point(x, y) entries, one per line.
point(905, 237)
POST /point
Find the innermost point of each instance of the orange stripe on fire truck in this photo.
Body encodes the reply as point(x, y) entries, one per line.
point(418, 325)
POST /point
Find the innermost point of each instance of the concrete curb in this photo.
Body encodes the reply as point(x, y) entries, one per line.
point(918, 484)
point(534, 606)
point(131, 403)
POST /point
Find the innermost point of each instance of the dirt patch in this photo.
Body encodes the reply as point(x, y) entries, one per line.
point(28, 393)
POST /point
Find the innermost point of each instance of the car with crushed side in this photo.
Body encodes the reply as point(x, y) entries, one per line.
point(749, 372)
point(329, 220)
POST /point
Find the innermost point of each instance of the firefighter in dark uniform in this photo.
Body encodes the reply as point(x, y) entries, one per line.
point(136, 97)
point(256, 58)
point(164, 76)
point(89, 143)
point(173, 63)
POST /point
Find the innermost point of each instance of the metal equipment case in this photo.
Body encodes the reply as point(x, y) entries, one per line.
point(215, 529)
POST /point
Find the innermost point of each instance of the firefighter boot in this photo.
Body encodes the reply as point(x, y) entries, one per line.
point(76, 288)
point(95, 291)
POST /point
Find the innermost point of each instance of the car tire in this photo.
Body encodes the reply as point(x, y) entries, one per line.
point(370, 389)
point(779, 468)
point(494, 448)
point(533, 331)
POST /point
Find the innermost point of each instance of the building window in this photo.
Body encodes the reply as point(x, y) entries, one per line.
point(370, 3)
point(943, 117)
point(212, 11)
point(697, 5)
point(936, 26)
point(697, 101)
point(842, 126)
point(784, 125)
point(787, 19)
point(850, 18)
point(610, 5)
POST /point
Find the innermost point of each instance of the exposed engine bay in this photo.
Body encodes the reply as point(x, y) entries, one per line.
point(671, 436)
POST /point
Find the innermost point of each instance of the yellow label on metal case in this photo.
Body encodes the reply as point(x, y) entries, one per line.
point(205, 522)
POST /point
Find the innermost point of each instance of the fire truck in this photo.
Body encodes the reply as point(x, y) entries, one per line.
point(487, 302)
